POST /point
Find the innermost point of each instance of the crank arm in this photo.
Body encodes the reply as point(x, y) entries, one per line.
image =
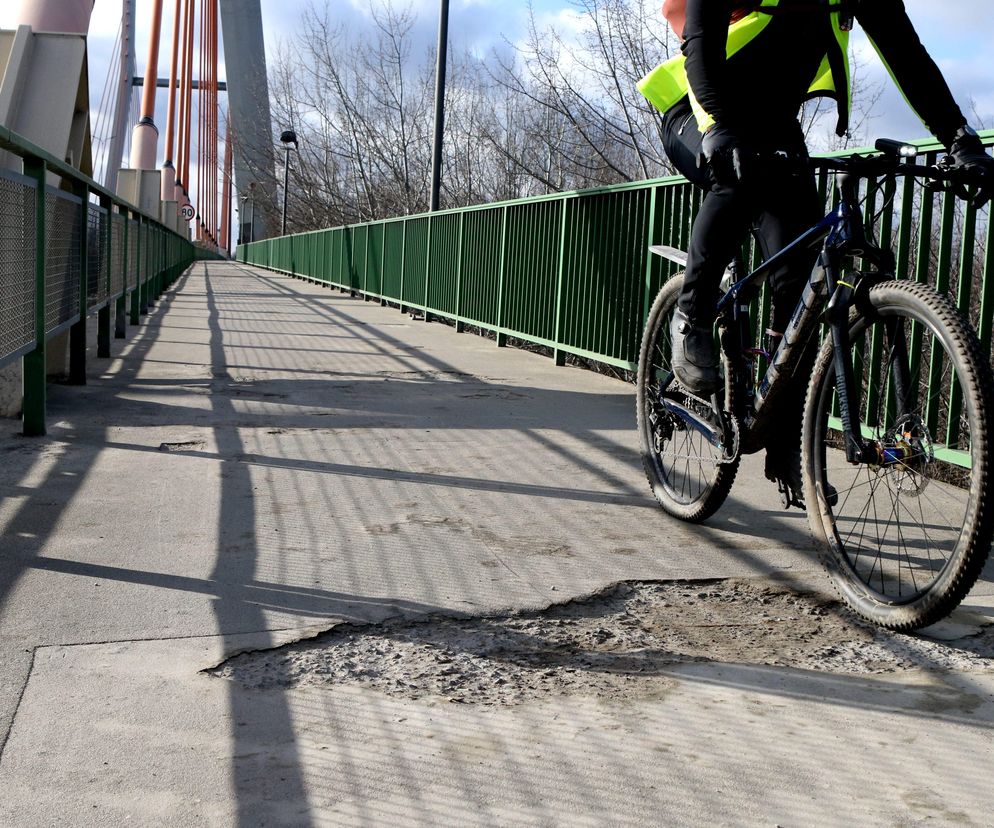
point(713, 435)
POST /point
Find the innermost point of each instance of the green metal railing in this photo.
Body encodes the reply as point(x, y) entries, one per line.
point(572, 271)
point(68, 253)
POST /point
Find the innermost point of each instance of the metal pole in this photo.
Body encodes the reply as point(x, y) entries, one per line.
point(252, 221)
point(145, 135)
point(286, 179)
point(436, 155)
point(115, 153)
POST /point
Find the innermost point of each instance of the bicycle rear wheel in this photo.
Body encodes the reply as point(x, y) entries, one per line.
point(907, 536)
point(686, 473)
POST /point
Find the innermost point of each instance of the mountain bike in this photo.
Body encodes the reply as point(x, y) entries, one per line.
point(896, 445)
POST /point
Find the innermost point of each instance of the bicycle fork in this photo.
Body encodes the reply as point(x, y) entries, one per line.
point(859, 450)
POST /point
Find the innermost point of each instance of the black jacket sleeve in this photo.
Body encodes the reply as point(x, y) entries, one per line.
point(705, 36)
point(888, 26)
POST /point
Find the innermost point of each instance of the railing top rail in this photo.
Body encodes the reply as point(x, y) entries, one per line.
point(923, 145)
point(19, 145)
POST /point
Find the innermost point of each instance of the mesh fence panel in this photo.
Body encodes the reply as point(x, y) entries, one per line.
point(117, 255)
point(17, 277)
point(62, 239)
point(96, 274)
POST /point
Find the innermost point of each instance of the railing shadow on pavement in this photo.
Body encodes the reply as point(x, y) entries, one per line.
point(245, 598)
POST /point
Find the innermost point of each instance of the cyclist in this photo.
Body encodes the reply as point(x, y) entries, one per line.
point(731, 104)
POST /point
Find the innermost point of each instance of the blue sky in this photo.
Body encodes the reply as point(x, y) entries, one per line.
point(958, 33)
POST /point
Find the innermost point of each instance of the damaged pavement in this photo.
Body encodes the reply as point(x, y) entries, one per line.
point(292, 558)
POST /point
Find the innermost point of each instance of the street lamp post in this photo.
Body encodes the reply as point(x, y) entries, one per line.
point(436, 154)
point(288, 137)
point(248, 198)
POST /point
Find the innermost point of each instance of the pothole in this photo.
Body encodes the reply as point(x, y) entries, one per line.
point(619, 641)
point(186, 445)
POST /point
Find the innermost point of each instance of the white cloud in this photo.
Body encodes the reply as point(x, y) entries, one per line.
point(959, 34)
point(970, 75)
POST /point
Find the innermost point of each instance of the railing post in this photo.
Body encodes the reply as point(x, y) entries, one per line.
point(35, 361)
point(383, 264)
point(155, 266)
point(121, 307)
point(654, 195)
point(103, 315)
point(77, 333)
point(502, 337)
point(160, 264)
point(136, 299)
point(985, 326)
point(151, 272)
point(431, 233)
point(143, 277)
point(365, 267)
point(558, 354)
point(460, 325)
point(403, 265)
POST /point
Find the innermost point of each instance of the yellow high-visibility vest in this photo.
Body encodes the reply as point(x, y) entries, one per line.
point(667, 84)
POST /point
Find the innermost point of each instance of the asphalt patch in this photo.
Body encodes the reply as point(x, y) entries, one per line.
point(619, 641)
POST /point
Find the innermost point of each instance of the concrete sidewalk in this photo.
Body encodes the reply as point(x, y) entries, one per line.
point(265, 459)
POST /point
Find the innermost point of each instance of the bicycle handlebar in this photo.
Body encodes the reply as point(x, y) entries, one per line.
point(899, 159)
point(874, 166)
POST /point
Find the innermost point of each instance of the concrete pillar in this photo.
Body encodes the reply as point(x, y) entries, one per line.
point(248, 105)
point(72, 16)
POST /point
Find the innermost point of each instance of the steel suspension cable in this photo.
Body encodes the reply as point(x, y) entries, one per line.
point(103, 119)
point(202, 122)
point(184, 116)
point(168, 187)
point(188, 96)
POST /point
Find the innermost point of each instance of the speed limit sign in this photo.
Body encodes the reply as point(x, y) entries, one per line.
point(187, 212)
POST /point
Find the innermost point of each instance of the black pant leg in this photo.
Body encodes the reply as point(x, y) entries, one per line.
point(720, 225)
point(790, 207)
point(718, 233)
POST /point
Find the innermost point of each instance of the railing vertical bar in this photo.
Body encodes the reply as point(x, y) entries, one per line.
point(922, 265)
point(985, 327)
point(942, 280)
point(963, 297)
point(876, 344)
point(501, 336)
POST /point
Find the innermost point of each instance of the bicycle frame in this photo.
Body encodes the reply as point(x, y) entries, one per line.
point(838, 235)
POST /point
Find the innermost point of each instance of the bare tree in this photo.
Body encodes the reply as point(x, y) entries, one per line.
point(557, 111)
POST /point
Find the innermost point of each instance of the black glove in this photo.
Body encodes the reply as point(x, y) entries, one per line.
point(969, 155)
point(725, 155)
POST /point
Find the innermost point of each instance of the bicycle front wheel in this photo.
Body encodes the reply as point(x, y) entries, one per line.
point(904, 537)
point(689, 477)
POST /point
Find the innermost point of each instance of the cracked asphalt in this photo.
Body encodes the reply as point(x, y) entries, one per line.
point(454, 597)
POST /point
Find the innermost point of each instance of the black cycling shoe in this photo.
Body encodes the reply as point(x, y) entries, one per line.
point(784, 469)
point(695, 358)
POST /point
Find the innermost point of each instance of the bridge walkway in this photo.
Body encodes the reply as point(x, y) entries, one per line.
point(266, 459)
